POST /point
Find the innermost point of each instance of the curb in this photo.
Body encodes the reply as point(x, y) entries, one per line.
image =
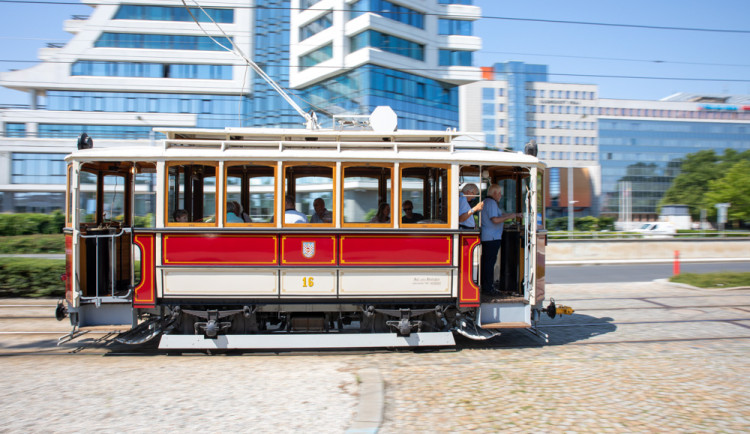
point(644, 261)
point(370, 407)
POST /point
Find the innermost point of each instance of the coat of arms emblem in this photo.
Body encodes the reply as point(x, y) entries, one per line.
point(308, 249)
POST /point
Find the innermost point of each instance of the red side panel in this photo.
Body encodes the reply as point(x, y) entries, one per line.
point(210, 249)
point(357, 250)
point(308, 250)
point(68, 279)
point(468, 295)
point(145, 292)
point(541, 247)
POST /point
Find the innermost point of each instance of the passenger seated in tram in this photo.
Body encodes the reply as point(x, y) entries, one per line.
point(180, 215)
point(383, 215)
point(322, 215)
point(233, 213)
point(291, 215)
point(409, 215)
point(465, 210)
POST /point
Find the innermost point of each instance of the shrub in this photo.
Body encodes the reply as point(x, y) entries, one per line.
point(31, 244)
point(27, 224)
point(587, 223)
point(24, 277)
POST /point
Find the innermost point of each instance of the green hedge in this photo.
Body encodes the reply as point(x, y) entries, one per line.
point(27, 224)
point(32, 244)
point(26, 277)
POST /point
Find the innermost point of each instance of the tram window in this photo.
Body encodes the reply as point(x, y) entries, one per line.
point(192, 188)
point(144, 196)
point(253, 187)
point(307, 182)
point(101, 197)
point(427, 189)
point(365, 188)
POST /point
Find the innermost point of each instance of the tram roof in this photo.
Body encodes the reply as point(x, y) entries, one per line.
point(300, 144)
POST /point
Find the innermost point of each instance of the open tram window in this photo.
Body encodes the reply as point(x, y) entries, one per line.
point(191, 195)
point(306, 182)
point(426, 187)
point(366, 187)
point(104, 194)
point(69, 198)
point(253, 187)
point(144, 196)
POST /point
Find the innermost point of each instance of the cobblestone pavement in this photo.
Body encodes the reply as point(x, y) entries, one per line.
point(634, 357)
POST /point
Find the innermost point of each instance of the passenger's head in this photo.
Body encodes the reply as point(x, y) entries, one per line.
point(408, 207)
point(289, 202)
point(319, 205)
point(180, 215)
point(470, 190)
point(384, 209)
point(495, 191)
point(235, 207)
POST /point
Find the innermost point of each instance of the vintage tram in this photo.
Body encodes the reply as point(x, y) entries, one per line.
point(190, 242)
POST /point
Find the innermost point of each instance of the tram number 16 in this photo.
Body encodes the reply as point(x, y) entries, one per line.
point(307, 282)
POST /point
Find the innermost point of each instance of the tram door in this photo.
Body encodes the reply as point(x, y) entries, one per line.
point(105, 215)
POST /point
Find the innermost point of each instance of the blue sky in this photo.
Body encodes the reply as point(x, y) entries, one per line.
point(565, 48)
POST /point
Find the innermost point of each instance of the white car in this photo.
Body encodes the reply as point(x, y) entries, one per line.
point(664, 229)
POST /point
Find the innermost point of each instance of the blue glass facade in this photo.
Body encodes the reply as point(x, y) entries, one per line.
point(269, 109)
point(517, 74)
point(389, 10)
point(454, 27)
point(173, 13)
point(455, 58)
point(98, 131)
point(316, 26)
point(213, 111)
point(313, 58)
point(421, 103)
point(151, 70)
point(32, 168)
point(389, 43)
point(161, 42)
point(648, 154)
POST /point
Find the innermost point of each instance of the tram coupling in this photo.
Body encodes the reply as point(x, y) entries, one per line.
point(553, 310)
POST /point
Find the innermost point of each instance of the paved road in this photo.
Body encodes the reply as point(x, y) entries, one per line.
point(598, 273)
point(635, 357)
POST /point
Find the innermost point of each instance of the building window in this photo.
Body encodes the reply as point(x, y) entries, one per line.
point(173, 13)
point(488, 109)
point(389, 43)
point(313, 58)
point(455, 58)
point(488, 93)
point(454, 27)
point(455, 2)
point(28, 168)
point(389, 10)
point(316, 26)
point(15, 130)
point(306, 4)
point(161, 42)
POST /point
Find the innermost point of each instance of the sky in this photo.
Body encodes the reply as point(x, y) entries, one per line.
point(516, 30)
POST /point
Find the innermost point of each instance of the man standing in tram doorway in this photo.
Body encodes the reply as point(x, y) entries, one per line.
point(491, 233)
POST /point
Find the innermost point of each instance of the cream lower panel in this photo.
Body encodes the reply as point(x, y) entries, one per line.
point(303, 282)
point(396, 282)
point(212, 282)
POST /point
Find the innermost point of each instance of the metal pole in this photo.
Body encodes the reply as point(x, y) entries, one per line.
point(570, 199)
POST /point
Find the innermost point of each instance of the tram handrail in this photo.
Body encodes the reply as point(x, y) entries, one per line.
point(112, 266)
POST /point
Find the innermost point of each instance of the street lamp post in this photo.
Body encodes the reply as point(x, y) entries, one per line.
point(571, 202)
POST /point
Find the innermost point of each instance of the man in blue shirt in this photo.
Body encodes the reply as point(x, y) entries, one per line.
point(492, 231)
point(465, 210)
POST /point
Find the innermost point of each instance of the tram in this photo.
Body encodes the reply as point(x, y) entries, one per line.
point(192, 244)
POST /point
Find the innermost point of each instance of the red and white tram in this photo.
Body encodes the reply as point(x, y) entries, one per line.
point(249, 279)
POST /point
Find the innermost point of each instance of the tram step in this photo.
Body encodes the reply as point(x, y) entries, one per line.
point(307, 340)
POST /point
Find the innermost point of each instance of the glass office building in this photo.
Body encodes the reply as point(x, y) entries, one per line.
point(130, 68)
point(642, 144)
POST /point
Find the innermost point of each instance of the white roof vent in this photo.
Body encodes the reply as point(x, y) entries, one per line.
point(383, 119)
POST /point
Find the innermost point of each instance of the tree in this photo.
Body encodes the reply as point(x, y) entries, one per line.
point(698, 170)
point(734, 188)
